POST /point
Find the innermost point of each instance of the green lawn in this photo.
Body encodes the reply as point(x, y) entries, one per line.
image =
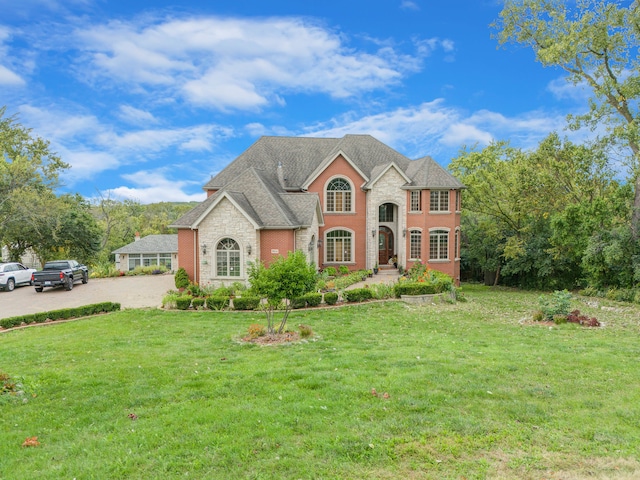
point(473, 393)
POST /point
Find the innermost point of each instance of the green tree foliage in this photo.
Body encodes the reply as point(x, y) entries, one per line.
point(529, 216)
point(285, 279)
point(596, 43)
point(28, 176)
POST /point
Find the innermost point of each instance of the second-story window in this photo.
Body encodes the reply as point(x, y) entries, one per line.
point(338, 195)
point(385, 212)
point(416, 201)
point(439, 201)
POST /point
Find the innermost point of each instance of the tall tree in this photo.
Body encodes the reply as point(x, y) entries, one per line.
point(28, 172)
point(596, 43)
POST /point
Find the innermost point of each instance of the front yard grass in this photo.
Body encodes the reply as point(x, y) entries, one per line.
point(473, 391)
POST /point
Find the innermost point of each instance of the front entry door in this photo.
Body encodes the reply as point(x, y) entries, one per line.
point(385, 245)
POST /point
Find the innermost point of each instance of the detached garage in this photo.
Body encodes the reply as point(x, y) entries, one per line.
point(159, 250)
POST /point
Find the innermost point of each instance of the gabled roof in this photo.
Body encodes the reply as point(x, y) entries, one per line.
point(262, 200)
point(302, 159)
point(426, 173)
point(152, 244)
point(380, 170)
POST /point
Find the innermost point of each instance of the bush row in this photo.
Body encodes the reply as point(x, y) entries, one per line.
point(62, 314)
point(618, 294)
point(414, 288)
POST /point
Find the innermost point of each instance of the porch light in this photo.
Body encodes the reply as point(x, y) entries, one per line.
point(319, 242)
point(310, 246)
point(373, 233)
point(204, 248)
point(404, 232)
point(248, 249)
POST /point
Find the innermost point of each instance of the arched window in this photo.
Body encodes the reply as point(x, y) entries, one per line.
point(338, 195)
point(438, 245)
point(228, 258)
point(338, 246)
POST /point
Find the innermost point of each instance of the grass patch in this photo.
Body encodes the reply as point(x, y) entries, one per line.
point(471, 392)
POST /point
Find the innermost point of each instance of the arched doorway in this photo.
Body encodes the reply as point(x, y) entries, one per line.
point(385, 245)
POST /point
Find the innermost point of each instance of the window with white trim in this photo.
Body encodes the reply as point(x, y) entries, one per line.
point(416, 200)
point(135, 260)
point(439, 201)
point(415, 244)
point(457, 200)
point(456, 244)
point(228, 258)
point(438, 245)
point(385, 212)
point(338, 246)
point(338, 195)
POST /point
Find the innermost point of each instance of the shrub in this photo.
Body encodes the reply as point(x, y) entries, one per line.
point(558, 303)
point(222, 292)
point(217, 302)
point(559, 319)
point(246, 302)
point(169, 300)
point(381, 291)
point(256, 330)
point(183, 302)
point(331, 298)
point(576, 317)
point(181, 278)
point(330, 271)
point(538, 316)
point(589, 292)
point(65, 313)
point(194, 290)
point(414, 288)
point(197, 302)
point(358, 295)
point(299, 302)
point(305, 331)
point(620, 294)
point(343, 270)
point(313, 299)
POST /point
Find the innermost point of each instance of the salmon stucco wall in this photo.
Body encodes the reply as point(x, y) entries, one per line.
point(187, 246)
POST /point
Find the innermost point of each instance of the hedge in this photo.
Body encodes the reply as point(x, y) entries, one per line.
point(246, 303)
point(330, 298)
point(62, 314)
point(358, 295)
point(183, 302)
point(313, 299)
point(414, 288)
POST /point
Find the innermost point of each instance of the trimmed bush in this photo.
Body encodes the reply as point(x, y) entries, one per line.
point(183, 302)
point(358, 295)
point(62, 314)
point(299, 302)
point(313, 299)
point(246, 303)
point(197, 302)
point(414, 288)
point(217, 302)
point(331, 298)
point(181, 278)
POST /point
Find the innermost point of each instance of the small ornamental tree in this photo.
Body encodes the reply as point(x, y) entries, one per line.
point(285, 279)
point(181, 278)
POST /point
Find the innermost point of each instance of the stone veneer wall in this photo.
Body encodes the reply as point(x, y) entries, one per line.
point(386, 190)
point(225, 220)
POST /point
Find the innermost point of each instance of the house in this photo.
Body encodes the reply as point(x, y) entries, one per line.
point(149, 250)
point(350, 201)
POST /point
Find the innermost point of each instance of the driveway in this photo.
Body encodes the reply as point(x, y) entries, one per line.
point(130, 292)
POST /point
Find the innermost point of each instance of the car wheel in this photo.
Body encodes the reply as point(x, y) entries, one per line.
point(85, 277)
point(38, 289)
point(11, 284)
point(69, 284)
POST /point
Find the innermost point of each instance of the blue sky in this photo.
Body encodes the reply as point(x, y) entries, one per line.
point(148, 99)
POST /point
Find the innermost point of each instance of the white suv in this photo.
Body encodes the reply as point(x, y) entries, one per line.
point(13, 274)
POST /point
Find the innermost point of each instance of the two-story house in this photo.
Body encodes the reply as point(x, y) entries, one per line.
point(350, 201)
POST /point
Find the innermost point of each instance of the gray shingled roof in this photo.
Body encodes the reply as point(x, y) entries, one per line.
point(300, 158)
point(152, 244)
point(263, 200)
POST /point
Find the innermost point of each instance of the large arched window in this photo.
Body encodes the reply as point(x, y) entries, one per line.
point(338, 246)
point(228, 258)
point(338, 195)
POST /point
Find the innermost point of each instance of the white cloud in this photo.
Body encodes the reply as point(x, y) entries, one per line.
point(135, 116)
point(8, 76)
point(153, 186)
point(232, 63)
point(409, 5)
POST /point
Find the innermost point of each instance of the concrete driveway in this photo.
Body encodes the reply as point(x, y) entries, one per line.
point(131, 292)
